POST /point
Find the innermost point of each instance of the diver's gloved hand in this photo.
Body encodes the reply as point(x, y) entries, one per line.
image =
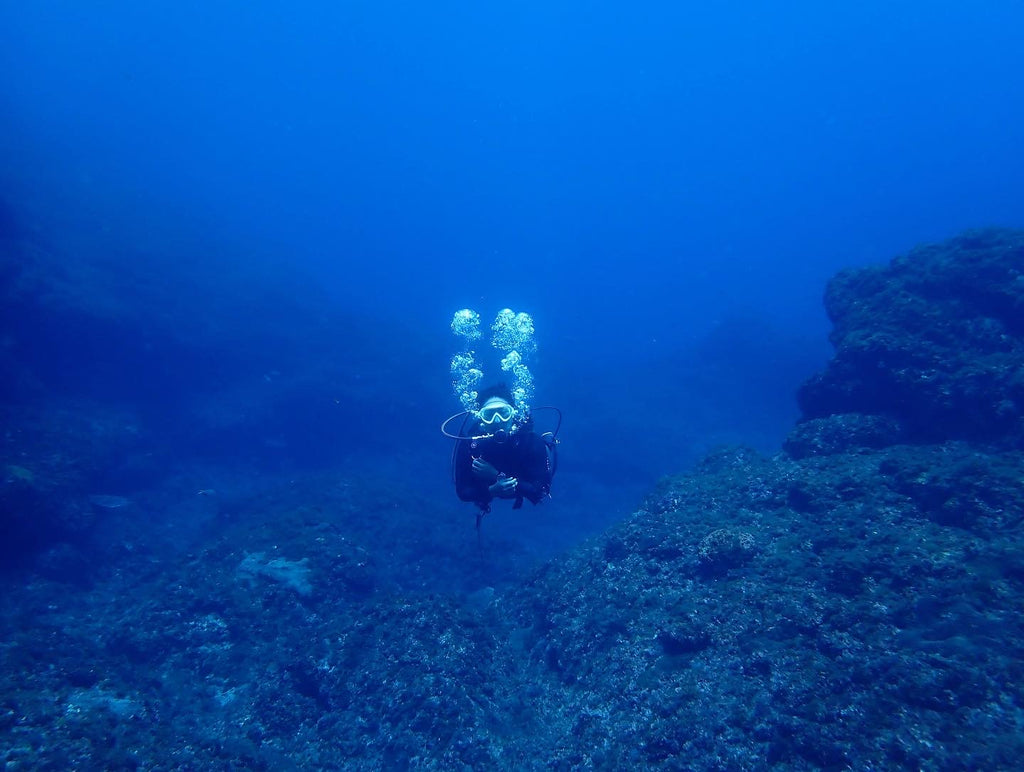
point(484, 470)
point(504, 488)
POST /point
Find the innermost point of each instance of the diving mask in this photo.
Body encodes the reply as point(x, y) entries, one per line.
point(496, 411)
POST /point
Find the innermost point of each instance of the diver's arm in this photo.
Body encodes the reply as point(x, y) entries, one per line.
point(468, 486)
point(484, 470)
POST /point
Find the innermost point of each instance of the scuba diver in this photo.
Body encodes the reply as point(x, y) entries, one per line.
point(498, 454)
point(500, 458)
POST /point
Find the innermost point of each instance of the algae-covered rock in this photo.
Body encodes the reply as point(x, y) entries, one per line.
point(841, 433)
point(933, 341)
point(48, 458)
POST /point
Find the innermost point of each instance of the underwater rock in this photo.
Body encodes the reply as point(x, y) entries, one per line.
point(49, 458)
point(880, 603)
point(933, 341)
point(725, 548)
point(841, 433)
point(293, 574)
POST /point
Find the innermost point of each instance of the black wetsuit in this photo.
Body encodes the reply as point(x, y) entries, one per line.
point(523, 455)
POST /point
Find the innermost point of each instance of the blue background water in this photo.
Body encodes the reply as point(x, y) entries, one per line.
point(300, 196)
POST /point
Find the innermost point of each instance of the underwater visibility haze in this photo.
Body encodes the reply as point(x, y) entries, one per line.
point(753, 269)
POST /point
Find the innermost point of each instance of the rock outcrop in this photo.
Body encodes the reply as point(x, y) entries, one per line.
point(932, 342)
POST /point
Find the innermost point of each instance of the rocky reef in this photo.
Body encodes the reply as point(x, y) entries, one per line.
point(856, 610)
point(112, 380)
point(933, 342)
point(49, 457)
point(852, 602)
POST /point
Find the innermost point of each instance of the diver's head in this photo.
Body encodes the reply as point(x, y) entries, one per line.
point(496, 413)
point(497, 409)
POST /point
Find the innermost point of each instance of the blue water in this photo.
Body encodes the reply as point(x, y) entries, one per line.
point(260, 196)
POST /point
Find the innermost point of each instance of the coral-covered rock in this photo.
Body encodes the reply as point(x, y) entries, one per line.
point(933, 341)
point(725, 548)
point(841, 433)
point(877, 616)
point(48, 459)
